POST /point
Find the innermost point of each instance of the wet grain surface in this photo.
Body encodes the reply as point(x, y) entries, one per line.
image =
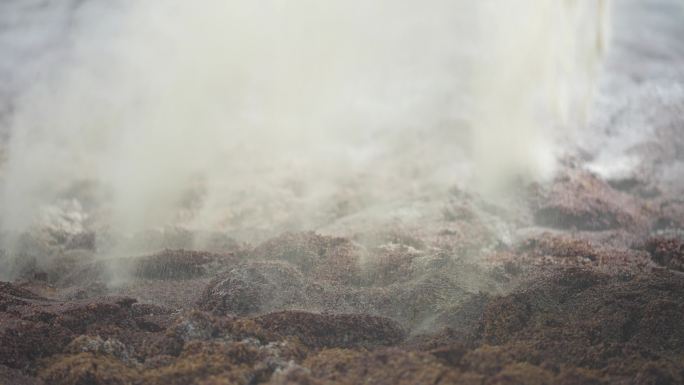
point(584, 284)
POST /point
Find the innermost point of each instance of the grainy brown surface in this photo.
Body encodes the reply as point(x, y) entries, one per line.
point(577, 280)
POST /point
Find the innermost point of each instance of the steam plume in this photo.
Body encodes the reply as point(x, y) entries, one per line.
point(264, 116)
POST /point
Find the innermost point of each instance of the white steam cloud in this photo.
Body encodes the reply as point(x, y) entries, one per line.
point(268, 115)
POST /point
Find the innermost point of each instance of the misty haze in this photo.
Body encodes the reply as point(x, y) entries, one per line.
point(341, 192)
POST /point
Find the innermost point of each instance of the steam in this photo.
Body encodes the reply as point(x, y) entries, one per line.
point(261, 116)
point(533, 84)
